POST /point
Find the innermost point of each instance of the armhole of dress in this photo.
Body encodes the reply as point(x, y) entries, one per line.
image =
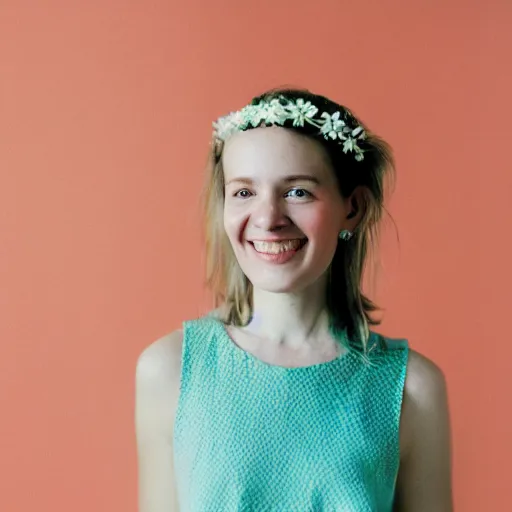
point(395, 344)
point(380, 343)
point(398, 349)
point(402, 344)
point(187, 327)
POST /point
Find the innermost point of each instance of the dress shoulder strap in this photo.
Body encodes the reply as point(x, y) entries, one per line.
point(380, 343)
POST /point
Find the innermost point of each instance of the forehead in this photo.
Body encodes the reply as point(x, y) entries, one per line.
point(272, 153)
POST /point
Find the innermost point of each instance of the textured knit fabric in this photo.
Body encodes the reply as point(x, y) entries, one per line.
point(251, 436)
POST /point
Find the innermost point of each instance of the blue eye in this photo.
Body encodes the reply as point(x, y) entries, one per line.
point(237, 194)
point(306, 193)
point(303, 193)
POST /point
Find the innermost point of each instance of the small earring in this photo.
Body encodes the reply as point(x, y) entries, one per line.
point(345, 235)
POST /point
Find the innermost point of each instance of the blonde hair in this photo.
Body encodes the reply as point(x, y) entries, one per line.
point(349, 309)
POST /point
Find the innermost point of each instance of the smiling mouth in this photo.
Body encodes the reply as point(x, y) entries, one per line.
point(279, 247)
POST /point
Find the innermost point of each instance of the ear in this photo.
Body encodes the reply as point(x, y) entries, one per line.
point(354, 205)
point(356, 209)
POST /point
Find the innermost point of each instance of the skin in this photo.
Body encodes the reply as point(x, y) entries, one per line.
point(289, 325)
point(260, 203)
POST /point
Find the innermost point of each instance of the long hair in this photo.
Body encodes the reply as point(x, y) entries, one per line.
point(349, 309)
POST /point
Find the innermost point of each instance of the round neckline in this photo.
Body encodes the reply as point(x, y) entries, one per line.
point(224, 334)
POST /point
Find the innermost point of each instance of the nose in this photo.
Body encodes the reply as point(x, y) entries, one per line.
point(269, 213)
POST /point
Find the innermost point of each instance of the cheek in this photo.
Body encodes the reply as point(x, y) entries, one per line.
point(233, 223)
point(319, 224)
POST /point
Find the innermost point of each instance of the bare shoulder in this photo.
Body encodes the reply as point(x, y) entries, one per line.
point(157, 380)
point(424, 394)
point(424, 481)
point(162, 358)
point(424, 379)
point(157, 388)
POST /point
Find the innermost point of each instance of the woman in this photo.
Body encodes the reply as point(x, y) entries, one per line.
point(284, 399)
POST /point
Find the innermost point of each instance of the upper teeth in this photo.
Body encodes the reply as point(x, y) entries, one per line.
point(277, 247)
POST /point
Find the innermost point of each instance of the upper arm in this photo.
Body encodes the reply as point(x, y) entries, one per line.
point(157, 384)
point(424, 479)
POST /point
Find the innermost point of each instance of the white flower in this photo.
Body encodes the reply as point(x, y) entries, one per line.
point(276, 112)
point(349, 145)
point(222, 125)
point(332, 125)
point(302, 111)
point(256, 113)
point(358, 132)
point(237, 118)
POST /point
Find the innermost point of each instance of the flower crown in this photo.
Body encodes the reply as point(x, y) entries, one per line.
point(342, 128)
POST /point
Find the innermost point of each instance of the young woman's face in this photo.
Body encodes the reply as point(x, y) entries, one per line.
point(280, 186)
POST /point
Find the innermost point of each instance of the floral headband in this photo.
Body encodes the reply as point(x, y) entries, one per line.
point(344, 131)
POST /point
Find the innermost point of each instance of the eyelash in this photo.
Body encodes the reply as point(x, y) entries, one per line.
point(308, 194)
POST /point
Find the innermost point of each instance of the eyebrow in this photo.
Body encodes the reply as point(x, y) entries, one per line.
point(288, 179)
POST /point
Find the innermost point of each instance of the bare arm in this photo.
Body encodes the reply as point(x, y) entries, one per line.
point(424, 479)
point(156, 396)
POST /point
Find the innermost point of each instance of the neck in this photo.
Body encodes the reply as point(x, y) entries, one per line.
point(290, 319)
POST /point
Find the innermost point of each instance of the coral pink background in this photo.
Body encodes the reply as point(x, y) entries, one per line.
point(105, 115)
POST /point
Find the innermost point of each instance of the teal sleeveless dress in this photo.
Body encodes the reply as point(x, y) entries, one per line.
point(254, 437)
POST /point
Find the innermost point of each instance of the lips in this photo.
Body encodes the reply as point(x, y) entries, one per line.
point(277, 247)
point(278, 254)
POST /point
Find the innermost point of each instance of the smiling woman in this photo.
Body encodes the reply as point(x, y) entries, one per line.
point(285, 399)
point(344, 189)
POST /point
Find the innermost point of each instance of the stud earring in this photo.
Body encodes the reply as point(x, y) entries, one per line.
point(345, 235)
